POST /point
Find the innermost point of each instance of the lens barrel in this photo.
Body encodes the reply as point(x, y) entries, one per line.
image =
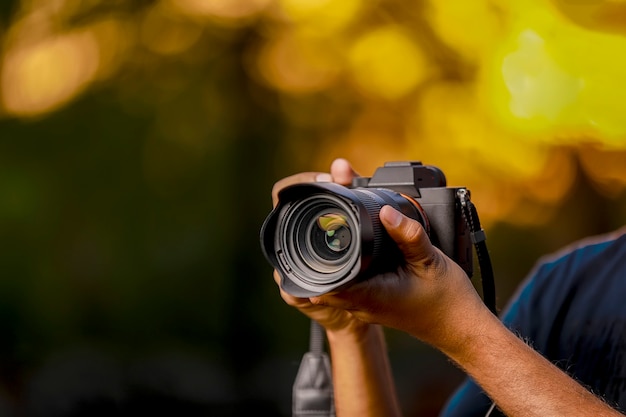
point(322, 236)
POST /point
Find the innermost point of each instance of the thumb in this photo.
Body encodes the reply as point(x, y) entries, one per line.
point(409, 235)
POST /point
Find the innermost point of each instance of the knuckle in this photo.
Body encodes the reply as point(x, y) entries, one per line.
point(318, 301)
point(414, 232)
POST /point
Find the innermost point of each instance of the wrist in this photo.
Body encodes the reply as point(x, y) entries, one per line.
point(356, 332)
point(464, 346)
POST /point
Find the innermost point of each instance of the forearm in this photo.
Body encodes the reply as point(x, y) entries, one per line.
point(362, 377)
point(520, 380)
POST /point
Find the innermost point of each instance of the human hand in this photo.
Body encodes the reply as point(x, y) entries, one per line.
point(429, 296)
point(332, 319)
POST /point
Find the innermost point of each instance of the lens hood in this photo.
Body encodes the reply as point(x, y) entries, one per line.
point(292, 243)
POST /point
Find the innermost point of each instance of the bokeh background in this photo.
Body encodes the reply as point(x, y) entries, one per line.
point(139, 141)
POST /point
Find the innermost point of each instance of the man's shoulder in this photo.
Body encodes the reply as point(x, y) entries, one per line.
point(568, 278)
point(574, 256)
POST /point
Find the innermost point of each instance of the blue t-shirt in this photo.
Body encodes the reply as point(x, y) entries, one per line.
point(571, 309)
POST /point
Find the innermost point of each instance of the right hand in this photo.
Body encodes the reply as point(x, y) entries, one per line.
point(332, 319)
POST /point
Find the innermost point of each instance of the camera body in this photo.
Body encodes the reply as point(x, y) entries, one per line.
point(323, 236)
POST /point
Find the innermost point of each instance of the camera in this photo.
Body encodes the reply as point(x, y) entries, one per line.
point(322, 237)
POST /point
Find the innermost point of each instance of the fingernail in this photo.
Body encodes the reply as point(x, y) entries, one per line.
point(323, 178)
point(391, 216)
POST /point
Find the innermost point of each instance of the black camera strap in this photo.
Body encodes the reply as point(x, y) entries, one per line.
point(478, 236)
point(313, 387)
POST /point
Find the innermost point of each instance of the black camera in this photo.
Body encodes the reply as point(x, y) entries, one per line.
point(323, 236)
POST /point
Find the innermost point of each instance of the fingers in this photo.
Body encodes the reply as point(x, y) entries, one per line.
point(276, 277)
point(409, 235)
point(341, 172)
point(295, 179)
point(343, 300)
point(288, 298)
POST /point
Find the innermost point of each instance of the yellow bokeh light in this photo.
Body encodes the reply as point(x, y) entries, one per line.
point(387, 63)
point(450, 19)
point(374, 136)
point(553, 180)
point(448, 118)
point(321, 16)
point(499, 94)
point(605, 167)
point(115, 38)
point(41, 77)
point(297, 64)
point(601, 15)
point(162, 33)
point(553, 77)
point(502, 168)
point(224, 11)
point(540, 89)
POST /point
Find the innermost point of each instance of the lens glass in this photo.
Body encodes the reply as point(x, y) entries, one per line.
point(330, 236)
point(322, 237)
point(326, 238)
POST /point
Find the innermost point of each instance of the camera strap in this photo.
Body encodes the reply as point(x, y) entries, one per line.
point(478, 237)
point(313, 387)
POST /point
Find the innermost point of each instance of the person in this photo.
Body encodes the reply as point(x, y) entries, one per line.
point(431, 298)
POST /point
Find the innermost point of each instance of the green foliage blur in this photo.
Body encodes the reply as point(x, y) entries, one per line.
point(130, 256)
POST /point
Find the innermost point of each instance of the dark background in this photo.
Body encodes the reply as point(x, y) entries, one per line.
point(131, 278)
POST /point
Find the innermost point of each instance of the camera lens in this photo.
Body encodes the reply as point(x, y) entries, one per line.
point(322, 236)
